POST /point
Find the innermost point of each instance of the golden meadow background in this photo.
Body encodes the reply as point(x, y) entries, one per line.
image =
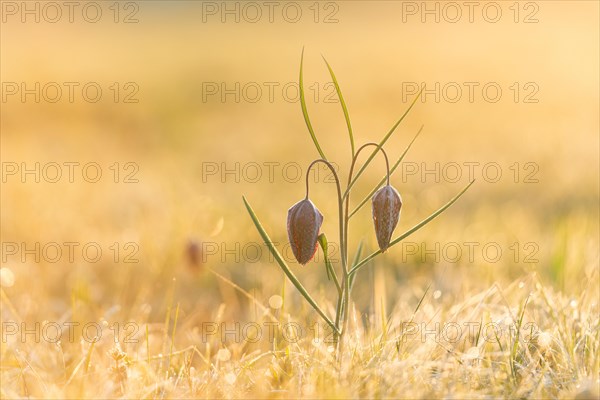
point(173, 132)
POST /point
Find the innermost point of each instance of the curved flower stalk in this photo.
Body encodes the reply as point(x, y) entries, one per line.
point(304, 219)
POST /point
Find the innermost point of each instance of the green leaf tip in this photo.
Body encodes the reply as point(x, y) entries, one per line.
point(305, 110)
point(382, 142)
point(343, 104)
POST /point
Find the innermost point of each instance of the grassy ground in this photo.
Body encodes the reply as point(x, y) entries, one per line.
point(498, 297)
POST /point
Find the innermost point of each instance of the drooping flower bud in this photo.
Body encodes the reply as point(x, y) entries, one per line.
point(194, 254)
point(386, 213)
point(303, 224)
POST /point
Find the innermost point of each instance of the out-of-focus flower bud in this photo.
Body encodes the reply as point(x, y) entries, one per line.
point(193, 254)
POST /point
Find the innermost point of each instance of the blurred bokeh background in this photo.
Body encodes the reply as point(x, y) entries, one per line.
point(215, 102)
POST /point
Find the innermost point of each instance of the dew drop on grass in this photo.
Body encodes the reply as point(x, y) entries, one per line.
point(223, 355)
point(573, 303)
point(544, 340)
point(275, 302)
point(218, 227)
point(230, 378)
point(7, 277)
point(471, 354)
point(308, 389)
point(437, 294)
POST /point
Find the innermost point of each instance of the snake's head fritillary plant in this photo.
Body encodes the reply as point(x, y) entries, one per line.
point(304, 219)
point(303, 224)
point(386, 213)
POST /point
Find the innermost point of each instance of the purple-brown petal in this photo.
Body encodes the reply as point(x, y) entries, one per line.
point(386, 213)
point(303, 224)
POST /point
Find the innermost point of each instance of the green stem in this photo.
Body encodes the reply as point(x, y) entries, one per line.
point(338, 314)
point(342, 219)
point(339, 192)
point(346, 278)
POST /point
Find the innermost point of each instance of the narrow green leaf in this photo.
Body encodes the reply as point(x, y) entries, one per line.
point(421, 301)
point(479, 334)
point(400, 339)
point(305, 111)
point(515, 345)
point(355, 261)
point(381, 143)
point(498, 341)
point(414, 228)
point(358, 253)
point(343, 104)
point(322, 239)
point(383, 180)
point(284, 266)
